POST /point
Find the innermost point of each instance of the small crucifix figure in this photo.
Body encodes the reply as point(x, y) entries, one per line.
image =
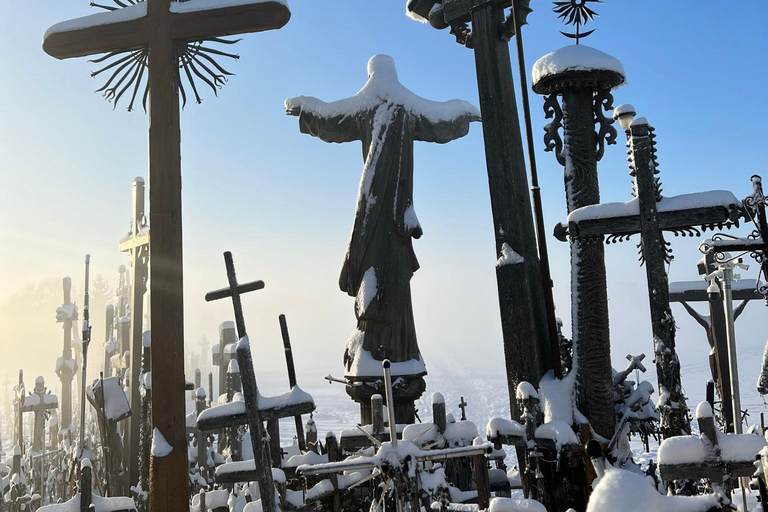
point(463, 407)
point(157, 26)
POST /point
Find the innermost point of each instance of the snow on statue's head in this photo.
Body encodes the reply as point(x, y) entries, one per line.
point(382, 65)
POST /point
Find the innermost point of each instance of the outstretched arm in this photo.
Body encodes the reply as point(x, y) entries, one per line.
point(327, 121)
point(442, 131)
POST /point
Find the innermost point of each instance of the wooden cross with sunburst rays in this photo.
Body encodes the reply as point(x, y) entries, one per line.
point(162, 37)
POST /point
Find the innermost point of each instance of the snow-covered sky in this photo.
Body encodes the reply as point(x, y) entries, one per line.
point(283, 202)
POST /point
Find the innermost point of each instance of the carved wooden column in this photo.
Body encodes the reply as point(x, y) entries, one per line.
point(584, 96)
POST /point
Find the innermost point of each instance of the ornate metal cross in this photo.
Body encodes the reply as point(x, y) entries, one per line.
point(158, 25)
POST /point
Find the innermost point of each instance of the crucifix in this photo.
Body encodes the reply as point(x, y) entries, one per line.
point(65, 365)
point(157, 26)
point(715, 325)
point(136, 244)
point(463, 407)
point(650, 214)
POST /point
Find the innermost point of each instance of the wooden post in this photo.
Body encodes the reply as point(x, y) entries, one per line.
point(520, 288)
point(377, 411)
point(202, 446)
point(292, 378)
point(438, 412)
point(168, 475)
point(66, 370)
point(332, 448)
point(483, 482)
point(85, 486)
point(653, 249)
point(273, 431)
point(311, 430)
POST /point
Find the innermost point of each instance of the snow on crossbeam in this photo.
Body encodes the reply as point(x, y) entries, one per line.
point(683, 211)
point(290, 404)
point(128, 27)
point(243, 471)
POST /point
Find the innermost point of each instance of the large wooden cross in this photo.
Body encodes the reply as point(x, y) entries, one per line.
point(38, 402)
point(136, 244)
point(158, 26)
point(650, 214)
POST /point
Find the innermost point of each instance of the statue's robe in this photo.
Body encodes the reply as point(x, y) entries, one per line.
point(380, 261)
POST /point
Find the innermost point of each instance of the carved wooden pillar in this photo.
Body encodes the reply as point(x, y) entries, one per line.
point(584, 96)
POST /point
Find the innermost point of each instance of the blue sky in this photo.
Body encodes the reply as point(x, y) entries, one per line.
point(283, 202)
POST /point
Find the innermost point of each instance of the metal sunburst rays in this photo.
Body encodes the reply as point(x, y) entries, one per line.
point(197, 61)
point(576, 13)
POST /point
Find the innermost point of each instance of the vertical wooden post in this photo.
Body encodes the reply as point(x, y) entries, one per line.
point(292, 378)
point(138, 288)
point(311, 430)
point(168, 475)
point(520, 288)
point(109, 330)
point(210, 389)
point(438, 412)
point(377, 411)
point(674, 417)
point(202, 447)
point(275, 453)
point(65, 373)
point(332, 447)
point(483, 482)
point(85, 486)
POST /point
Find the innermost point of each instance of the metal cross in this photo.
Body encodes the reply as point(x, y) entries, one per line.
point(463, 407)
point(234, 290)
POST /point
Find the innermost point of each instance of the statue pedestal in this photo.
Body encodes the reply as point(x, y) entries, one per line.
point(407, 389)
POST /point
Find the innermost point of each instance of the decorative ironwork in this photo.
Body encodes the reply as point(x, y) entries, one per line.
point(618, 238)
point(552, 139)
point(755, 244)
point(576, 13)
point(606, 134)
point(688, 231)
point(196, 59)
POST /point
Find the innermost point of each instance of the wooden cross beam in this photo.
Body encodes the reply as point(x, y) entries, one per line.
point(158, 25)
point(38, 402)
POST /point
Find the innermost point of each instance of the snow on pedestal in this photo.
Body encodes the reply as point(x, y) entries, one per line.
point(515, 505)
point(365, 365)
point(575, 58)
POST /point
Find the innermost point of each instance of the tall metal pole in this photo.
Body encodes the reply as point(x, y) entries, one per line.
point(538, 211)
point(727, 270)
point(86, 341)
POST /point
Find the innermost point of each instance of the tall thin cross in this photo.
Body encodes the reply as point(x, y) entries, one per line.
point(158, 26)
point(463, 407)
point(65, 366)
point(250, 390)
point(136, 244)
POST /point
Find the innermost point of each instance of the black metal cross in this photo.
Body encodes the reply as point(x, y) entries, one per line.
point(463, 407)
point(234, 290)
